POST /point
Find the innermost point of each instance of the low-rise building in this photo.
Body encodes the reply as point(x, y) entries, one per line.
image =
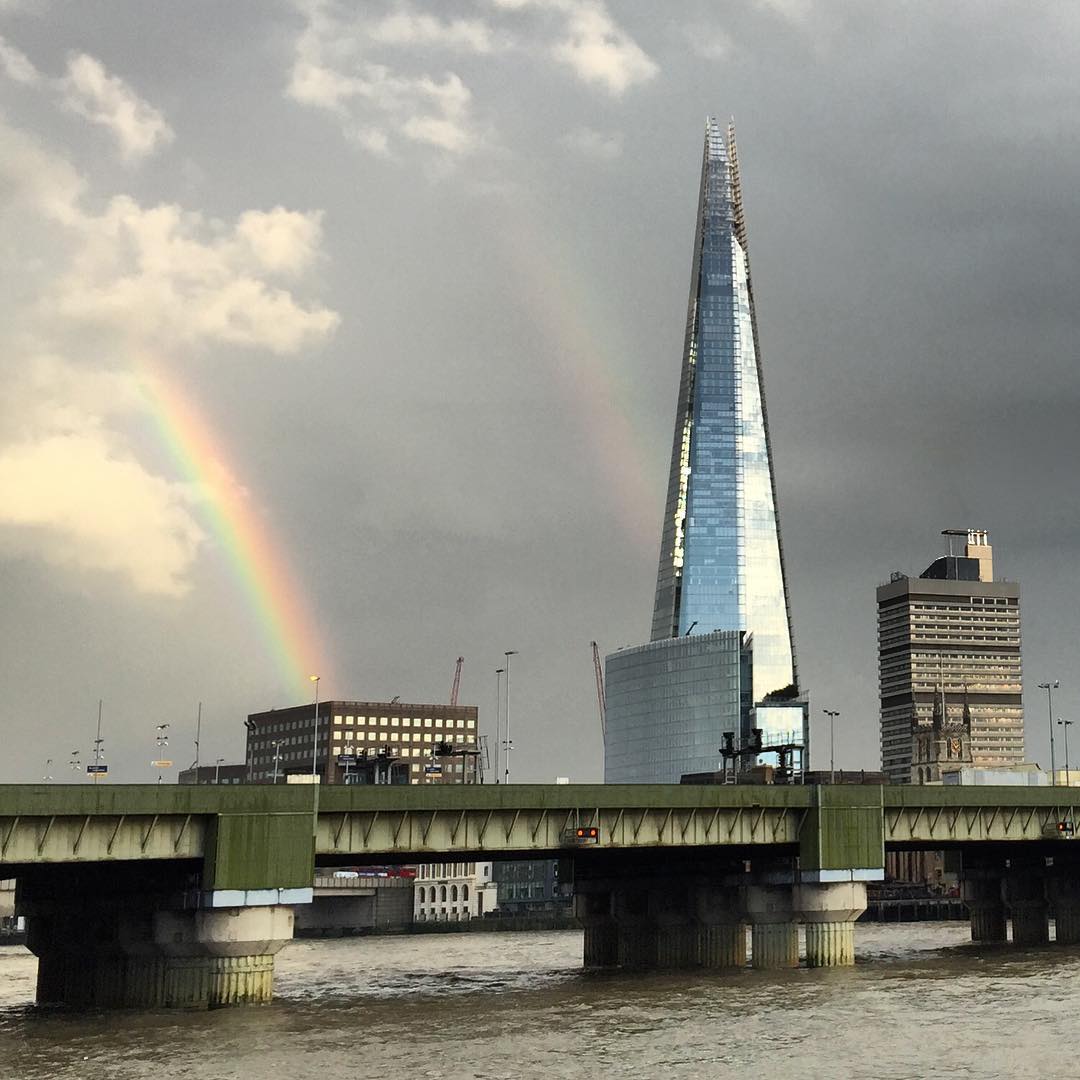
point(434, 744)
point(236, 773)
point(453, 892)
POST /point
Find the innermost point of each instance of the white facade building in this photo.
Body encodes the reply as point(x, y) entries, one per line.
point(453, 892)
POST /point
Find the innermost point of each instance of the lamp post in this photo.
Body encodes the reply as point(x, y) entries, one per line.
point(277, 756)
point(499, 672)
point(75, 764)
point(217, 770)
point(162, 744)
point(99, 742)
point(315, 729)
point(1050, 687)
point(509, 744)
point(832, 714)
point(47, 778)
point(1066, 724)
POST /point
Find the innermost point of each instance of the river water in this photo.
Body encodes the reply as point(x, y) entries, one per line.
point(922, 1002)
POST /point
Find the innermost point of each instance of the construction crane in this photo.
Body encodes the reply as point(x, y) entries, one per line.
point(601, 700)
point(457, 680)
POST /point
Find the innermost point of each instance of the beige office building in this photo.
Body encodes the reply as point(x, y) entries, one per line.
point(950, 639)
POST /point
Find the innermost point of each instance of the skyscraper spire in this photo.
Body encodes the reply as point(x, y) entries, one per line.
point(721, 560)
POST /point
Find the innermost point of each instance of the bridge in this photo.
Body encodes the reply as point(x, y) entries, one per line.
point(181, 895)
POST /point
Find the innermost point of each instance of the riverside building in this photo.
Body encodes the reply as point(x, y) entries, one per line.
point(365, 742)
point(721, 629)
point(949, 665)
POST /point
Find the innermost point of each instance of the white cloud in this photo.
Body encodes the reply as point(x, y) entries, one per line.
point(90, 91)
point(598, 50)
point(600, 145)
point(114, 285)
point(16, 65)
point(85, 504)
point(409, 28)
point(377, 103)
point(165, 276)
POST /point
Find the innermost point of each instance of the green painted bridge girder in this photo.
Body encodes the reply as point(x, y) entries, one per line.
point(257, 836)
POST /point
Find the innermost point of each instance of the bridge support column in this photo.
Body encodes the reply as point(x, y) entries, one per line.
point(1063, 890)
point(775, 933)
point(1025, 900)
point(721, 931)
point(829, 910)
point(130, 956)
point(637, 930)
point(980, 889)
point(601, 946)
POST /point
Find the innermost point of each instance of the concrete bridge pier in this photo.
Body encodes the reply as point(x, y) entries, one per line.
point(721, 930)
point(601, 946)
point(131, 958)
point(980, 889)
point(1063, 892)
point(774, 931)
point(1025, 900)
point(829, 910)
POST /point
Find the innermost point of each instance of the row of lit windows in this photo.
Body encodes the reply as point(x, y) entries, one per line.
point(402, 721)
point(393, 736)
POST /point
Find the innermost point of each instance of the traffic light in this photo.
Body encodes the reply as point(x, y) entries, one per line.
point(1065, 828)
point(728, 749)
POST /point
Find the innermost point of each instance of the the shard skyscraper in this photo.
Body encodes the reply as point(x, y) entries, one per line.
point(721, 595)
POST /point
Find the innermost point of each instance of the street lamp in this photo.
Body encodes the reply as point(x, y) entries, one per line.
point(315, 729)
point(48, 775)
point(832, 714)
point(1066, 724)
point(217, 770)
point(499, 672)
point(509, 744)
point(1050, 687)
point(162, 744)
point(75, 763)
point(277, 756)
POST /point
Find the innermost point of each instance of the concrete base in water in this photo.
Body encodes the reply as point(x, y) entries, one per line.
point(981, 892)
point(171, 959)
point(830, 944)
point(829, 910)
point(775, 945)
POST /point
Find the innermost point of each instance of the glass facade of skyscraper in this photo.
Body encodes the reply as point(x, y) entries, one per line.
point(721, 562)
point(669, 702)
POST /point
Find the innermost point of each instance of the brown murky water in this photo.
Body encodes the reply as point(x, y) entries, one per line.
point(921, 1003)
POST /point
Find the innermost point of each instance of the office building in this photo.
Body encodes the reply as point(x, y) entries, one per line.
point(720, 583)
point(453, 892)
point(949, 666)
point(365, 742)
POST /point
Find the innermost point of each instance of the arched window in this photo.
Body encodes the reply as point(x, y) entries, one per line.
point(464, 892)
point(421, 894)
point(442, 892)
point(453, 892)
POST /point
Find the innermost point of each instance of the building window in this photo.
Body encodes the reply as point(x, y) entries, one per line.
point(464, 892)
point(442, 893)
point(453, 893)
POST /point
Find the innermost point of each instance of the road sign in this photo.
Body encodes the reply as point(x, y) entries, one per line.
point(97, 770)
point(433, 769)
point(346, 759)
point(161, 764)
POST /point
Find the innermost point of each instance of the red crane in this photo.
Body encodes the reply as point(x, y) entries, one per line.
point(457, 680)
point(601, 699)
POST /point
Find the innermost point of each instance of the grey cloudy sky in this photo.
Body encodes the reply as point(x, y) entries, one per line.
point(421, 271)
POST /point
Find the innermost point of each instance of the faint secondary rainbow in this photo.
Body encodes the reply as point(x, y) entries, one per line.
point(284, 618)
point(587, 367)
